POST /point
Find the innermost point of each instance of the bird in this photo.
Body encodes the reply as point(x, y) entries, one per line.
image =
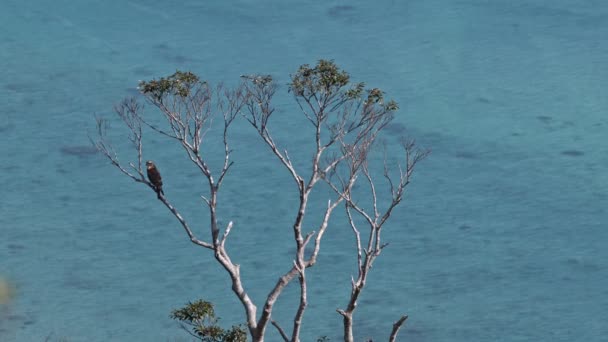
point(155, 178)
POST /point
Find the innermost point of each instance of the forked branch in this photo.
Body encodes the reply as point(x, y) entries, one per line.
point(129, 112)
point(374, 219)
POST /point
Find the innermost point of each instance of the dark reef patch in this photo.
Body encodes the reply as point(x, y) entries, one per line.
point(79, 150)
point(395, 129)
point(464, 227)
point(163, 46)
point(466, 155)
point(567, 124)
point(180, 59)
point(80, 282)
point(15, 317)
point(340, 11)
point(545, 119)
point(9, 168)
point(143, 71)
point(19, 87)
point(29, 322)
point(572, 153)
point(15, 247)
point(582, 264)
point(60, 75)
point(165, 52)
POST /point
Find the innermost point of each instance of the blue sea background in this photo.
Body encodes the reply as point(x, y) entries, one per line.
point(502, 235)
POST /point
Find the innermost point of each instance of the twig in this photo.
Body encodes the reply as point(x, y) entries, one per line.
point(281, 331)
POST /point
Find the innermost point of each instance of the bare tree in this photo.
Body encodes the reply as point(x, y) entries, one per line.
point(346, 119)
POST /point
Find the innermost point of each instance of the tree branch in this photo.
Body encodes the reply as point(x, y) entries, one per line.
point(281, 331)
point(396, 327)
point(297, 322)
point(181, 220)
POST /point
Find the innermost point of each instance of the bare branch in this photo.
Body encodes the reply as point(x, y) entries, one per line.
point(297, 321)
point(322, 228)
point(226, 232)
point(355, 154)
point(158, 130)
point(305, 112)
point(357, 237)
point(396, 327)
point(230, 106)
point(102, 144)
point(287, 157)
point(184, 224)
point(138, 169)
point(128, 111)
point(273, 296)
point(370, 181)
point(258, 111)
point(281, 331)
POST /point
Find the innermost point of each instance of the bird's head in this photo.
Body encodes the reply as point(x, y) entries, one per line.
point(149, 164)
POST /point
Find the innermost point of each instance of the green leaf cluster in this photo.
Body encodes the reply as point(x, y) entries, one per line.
point(377, 96)
point(179, 84)
point(326, 77)
point(200, 316)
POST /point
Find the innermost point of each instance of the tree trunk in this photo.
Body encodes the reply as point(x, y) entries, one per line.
point(348, 327)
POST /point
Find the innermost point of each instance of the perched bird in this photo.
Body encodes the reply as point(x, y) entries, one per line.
point(154, 177)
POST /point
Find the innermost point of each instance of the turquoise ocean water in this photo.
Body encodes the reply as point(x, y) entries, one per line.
point(502, 236)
